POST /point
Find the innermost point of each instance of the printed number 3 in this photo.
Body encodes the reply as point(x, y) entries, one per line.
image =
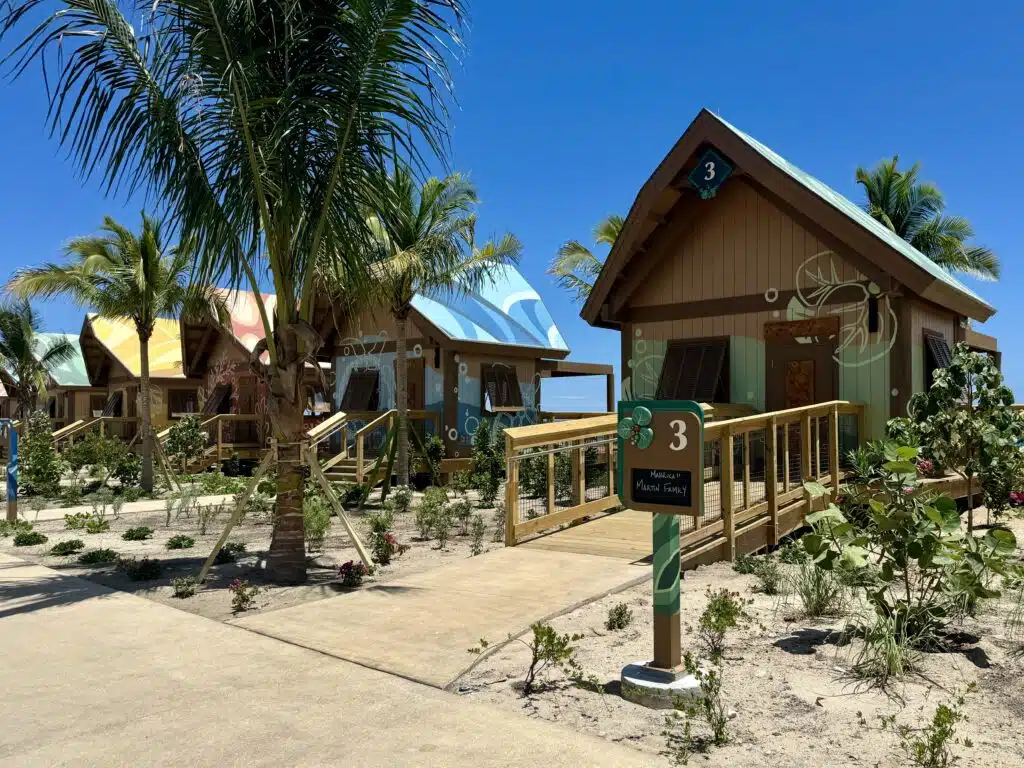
point(680, 427)
point(710, 168)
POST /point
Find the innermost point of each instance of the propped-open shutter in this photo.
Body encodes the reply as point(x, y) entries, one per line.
point(216, 399)
point(362, 393)
point(692, 370)
point(113, 404)
point(501, 387)
point(938, 354)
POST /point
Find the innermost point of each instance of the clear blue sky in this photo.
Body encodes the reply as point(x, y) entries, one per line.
point(566, 106)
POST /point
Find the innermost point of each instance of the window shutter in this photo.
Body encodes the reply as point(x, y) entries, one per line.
point(938, 355)
point(216, 398)
point(363, 391)
point(710, 371)
point(113, 404)
point(692, 370)
point(501, 386)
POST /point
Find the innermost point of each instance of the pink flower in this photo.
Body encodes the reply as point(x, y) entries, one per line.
point(925, 466)
point(908, 489)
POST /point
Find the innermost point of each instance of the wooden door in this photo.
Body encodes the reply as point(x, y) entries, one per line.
point(415, 383)
point(798, 375)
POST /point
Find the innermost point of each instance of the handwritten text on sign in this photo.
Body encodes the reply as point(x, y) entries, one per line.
point(662, 486)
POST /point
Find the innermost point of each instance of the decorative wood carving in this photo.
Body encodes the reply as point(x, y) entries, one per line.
point(820, 327)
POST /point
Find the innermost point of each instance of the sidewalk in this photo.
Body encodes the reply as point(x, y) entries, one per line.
point(100, 678)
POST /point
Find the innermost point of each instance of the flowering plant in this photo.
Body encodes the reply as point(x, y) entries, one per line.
point(243, 595)
point(352, 573)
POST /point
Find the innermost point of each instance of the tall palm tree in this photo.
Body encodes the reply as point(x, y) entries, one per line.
point(423, 243)
point(575, 267)
point(913, 209)
point(26, 357)
point(260, 126)
point(122, 275)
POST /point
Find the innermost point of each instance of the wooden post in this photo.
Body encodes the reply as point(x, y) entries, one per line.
point(220, 441)
point(551, 482)
point(581, 472)
point(102, 426)
point(728, 525)
point(511, 494)
point(611, 468)
point(806, 446)
point(771, 479)
point(359, 459)
point(746, 469)
point(610, 392)
point(785, 457)
point(833, 450)
point(817, 447)
point(574, 460)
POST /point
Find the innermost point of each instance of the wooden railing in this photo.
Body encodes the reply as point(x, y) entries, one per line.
point(124, 427)
point(368, 442)
point(754, 469)
point(327, 440)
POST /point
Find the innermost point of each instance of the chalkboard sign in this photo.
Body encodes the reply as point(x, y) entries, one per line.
point(662, 486)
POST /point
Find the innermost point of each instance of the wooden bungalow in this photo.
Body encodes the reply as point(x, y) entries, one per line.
point(471, 357)
point(69, 391)
point(738, 278)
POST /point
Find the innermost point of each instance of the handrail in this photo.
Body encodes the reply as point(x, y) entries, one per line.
point(327, 427)
point(387, 415)
point(532, 435)
point(73, 427)
point(714, 429)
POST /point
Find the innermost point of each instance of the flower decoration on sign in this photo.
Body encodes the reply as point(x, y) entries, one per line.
point(635, 428)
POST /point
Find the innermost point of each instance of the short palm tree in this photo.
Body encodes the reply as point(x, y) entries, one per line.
point(913, 209)
point(122, 275)
point(576, 267)
point(260, 127)
point(424, 244)
point(25, 357)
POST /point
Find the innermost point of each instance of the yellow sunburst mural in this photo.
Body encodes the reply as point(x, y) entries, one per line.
point(122, 341)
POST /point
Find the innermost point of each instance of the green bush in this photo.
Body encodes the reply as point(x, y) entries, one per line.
point(96, 524)
point(769, 575)
point(229, 553)
point(722, 613)
point(548, 649)
point(10, 528)
point(185, 586)
point(352, 574)
point(98, 557)
point(428, 510)
point(461, 482)
point(181, 541)
point(354, 496)
point(461, 512)
point(316, 520)
point(39, 464)
point(477, 529)
point(442, 526)
point(488, 461)
point(821, 592)
point(129, 470)
point(67, 547)
point(145, 569)
point(140, 533)
point(432, 455)
point(131, 494)
point(186, 440)
point(28, 538)
point(243, 595)
point(929, 747)
point(77, 521)
point(620, 616)
point(401, 499)
point(745, 564)
point(71, 496)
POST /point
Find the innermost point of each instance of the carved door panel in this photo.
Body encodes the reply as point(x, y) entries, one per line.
point(798, 383)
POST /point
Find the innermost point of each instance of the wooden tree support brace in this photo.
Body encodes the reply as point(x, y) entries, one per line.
point(321, 478)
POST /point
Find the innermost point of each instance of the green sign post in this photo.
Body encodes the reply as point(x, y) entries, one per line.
point(661, 470)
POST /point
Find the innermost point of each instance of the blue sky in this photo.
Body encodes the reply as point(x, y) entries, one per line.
point(566, 107)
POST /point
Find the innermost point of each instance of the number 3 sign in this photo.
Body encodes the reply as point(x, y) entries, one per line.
point(661, 456)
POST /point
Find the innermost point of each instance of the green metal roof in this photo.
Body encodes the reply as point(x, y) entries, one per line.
point(855, 212)
point(71, 373)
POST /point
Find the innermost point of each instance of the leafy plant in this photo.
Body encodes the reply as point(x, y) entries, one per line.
point(745, 564)
point(243, 595)
point(186, 440)
point(28, 538)
point(499, 522)
point(723, 612)
point(620, 616)
point(442, 526)
point(929, 747)
point(40, 466)
point(886, 651)
point(229, 553)
point(769, 575)
point(432, 455)
point(461, 512)
point(920, 568)
point(181, 541)
point(401, 499)
point(76, 521)
point(316, 520)
point(12, 527)
point(98, 557)
point(185, 586)
point(67, 547)
point(128, 470)
point(548, 649)
point(131, 494)
point(477, 529)
point(709, 705)
point(821, 592)
point(792, 553)
point(429, 509)
point(71, 496)
point(145, 569)
point(139, 533)
point(206, 514)
point(461, 482)
point(488, 461)
point(352, 574)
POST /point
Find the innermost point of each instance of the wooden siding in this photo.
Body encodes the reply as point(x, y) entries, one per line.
point(741, 245)
point(924, 315)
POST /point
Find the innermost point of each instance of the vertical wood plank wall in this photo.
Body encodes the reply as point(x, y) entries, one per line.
point(924, 315)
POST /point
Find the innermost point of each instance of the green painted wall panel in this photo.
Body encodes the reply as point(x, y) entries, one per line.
point(746, 371)
point(868, 383)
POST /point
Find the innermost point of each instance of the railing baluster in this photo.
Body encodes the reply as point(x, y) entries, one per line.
point(771, 490)
point(746, 470)
point(833, 450)
point(785, 458)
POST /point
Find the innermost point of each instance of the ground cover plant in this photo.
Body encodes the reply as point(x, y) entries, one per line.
point(67, 547)
point(180, 541)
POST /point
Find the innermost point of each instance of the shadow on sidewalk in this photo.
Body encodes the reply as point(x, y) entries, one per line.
point(37, 593)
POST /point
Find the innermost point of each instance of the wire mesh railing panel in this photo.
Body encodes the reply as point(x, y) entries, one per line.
point(849, 438)
point(823, 435)
point(597, 455)
point(712, 482)
point(756, 457)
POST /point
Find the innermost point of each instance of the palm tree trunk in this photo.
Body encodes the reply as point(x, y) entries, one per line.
point(286, 559)
point(402, 399)
point(147, 416)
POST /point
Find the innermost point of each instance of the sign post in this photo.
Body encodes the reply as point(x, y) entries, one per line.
point(8, 430)
point(661, 470)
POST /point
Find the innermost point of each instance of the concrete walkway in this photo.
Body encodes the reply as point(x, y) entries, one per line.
point(421, 626)
point(93, 677)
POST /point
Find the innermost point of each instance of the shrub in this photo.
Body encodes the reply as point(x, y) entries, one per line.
point(442, 526)
point(461, 482)
point(128, 469)
point(908, 546)
point(792, 553)
point(745, 564)
point(548, 649)
point(243, 595)
point(385, 545)
point(40, 466)
point(206, 514)
point(499, 522)
point(186, 440)
point(14, 527)
point(709, 704)
point(620, 616)
point(316, 520)
point(131, 494)
point(477, 529)
point(432, 455)
point(229, 553)
point(821, 592)
point(71, 496)
point(722, 613)
point(67, 547)
point(96, 524)
point(185, 586)
point(355, 496)
point(928, 747)
point(145, 569)
point(352, 573)
point(429, 509)
point(461, 511)
point(181, 541)
point(217, 483)
point(140, 533)
point(768, 573)
point(401, 499)
point(488, 461)
point(76, 521)
point(28, 538)
point(98, 557)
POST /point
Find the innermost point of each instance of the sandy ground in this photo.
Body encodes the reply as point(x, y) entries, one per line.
point(785, 680)
point(215, 600)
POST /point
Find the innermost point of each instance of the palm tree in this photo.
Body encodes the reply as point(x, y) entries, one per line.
point(424, 244)
point(913, 210)
point(260, 126)
point(25, 356)
point(576, 267)
point(122, 275)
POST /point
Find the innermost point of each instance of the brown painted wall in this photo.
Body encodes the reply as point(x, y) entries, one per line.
point(924, 315)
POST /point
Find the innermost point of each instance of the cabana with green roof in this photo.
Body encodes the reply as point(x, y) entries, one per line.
point(71, 396)
point(738, 278)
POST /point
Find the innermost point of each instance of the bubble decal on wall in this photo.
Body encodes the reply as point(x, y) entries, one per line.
point(463, 368)
point(771, 295)
point(417, 351)
point(453, 434)
point(895, 392)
